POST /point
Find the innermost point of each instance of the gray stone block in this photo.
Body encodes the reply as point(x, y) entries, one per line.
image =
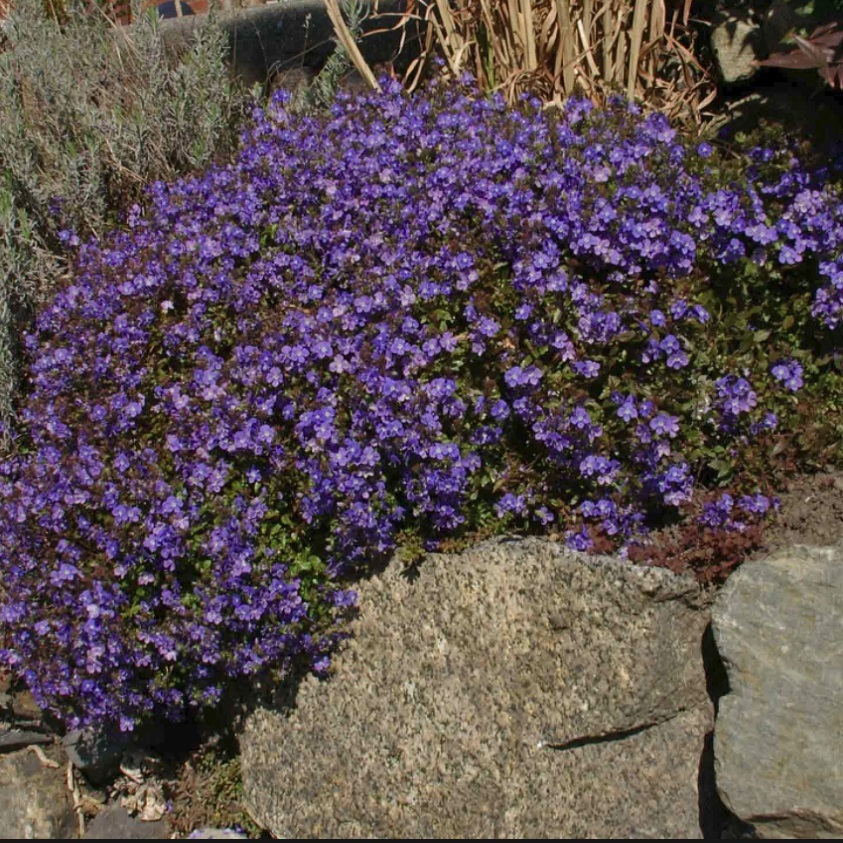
point(778, 742)
point(295, 33)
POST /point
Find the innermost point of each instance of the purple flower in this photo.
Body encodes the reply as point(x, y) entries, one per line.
point(500, 410)
point(589, 369)
point(789, 372)
point(510, 503)
point(518, 376)
point(627, 410)
point(737, 396)
point(580, 418)
point(391, 319)
point(663, 424)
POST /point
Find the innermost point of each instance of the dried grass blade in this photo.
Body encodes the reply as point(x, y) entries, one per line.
point(444, 42)
point(658, 18)
point(514, 27)
point(347, 40)
point(567, 46)
point(587, 48)
point(451, 36)
point(529, 35)
point(503, 39)
point(586, 15)
point(620, 45)
point(547, 35)
point(412, 77)
point(607, 41)
point(404, 18)
point(636, 36)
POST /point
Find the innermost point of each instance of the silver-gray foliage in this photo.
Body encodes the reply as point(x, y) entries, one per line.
point(327, 82)
point(90, 113)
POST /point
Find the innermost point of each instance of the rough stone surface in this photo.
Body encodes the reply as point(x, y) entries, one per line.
point(278, 36)
point(34, 801)
point(517, 690)
point(25, 708)
point(778, 743)
point(96, 752)
point(115, 823)
point(11, 739)
point(736, 45)
point(216, 834)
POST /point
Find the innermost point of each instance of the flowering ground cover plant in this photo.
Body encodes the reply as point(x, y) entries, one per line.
point(411, 319)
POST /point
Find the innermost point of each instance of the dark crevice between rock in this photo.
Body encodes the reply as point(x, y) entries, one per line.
point(712, 810)
point(716, 677)
point(717, 822)
point(608, 737)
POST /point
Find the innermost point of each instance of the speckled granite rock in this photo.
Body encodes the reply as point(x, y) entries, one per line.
point(34, 800)
point(518, 690)
point(778, 743)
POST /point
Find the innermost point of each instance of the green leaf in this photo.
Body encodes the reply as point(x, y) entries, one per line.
point(724, 468)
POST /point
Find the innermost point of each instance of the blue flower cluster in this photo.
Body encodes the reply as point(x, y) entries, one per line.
point(433, 314)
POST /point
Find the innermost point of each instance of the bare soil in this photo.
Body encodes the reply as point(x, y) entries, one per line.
point(811, 512)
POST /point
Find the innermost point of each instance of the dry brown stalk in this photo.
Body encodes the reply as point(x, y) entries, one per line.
point(557, 48)
point(345, 38)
